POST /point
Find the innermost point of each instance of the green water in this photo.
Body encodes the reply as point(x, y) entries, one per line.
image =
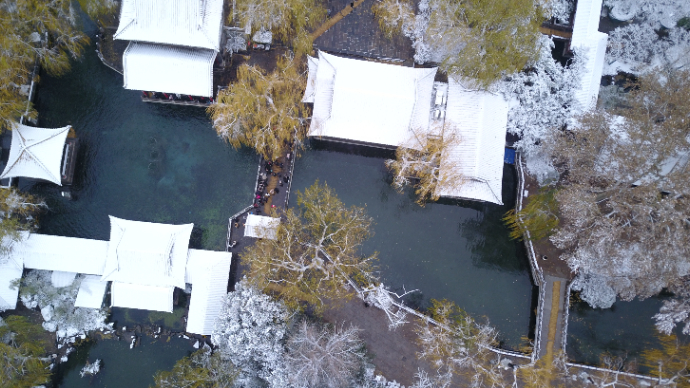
point(457, 250)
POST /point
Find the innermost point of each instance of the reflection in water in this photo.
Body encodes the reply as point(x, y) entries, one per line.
point(122, 367)
point(624, 330)
point(457, 250)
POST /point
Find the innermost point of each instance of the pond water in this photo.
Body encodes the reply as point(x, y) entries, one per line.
point(120, 365)
point(146, 162)
point(457, 250)
point(624, 330)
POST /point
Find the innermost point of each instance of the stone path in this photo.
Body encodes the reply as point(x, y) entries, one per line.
point(554, 314)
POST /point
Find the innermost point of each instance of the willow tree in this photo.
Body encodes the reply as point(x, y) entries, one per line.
point(34, 30)
point(420, 162)
point(457, 345)
point(537, 220)
point(289, 21)
point(262, 111)
point(22, 352)
point(201, 369)
point(669, 363)
point(623, 193)
point(478, 39)
point(317, 252)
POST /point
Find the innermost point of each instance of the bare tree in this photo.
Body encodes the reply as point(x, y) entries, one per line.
point(623, 193)
point(317, 251)
point(676, 310)
point(262, 111)
point(324, 357)
point(423, 162)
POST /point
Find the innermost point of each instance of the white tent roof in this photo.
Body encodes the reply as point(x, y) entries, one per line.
point(261, 226)
point(137, 296)
point(211, 270)
point(146, 253)
point(62, 279)
point(58, 253)
point(192, 23)
point(11, 269)
point(168, 69)
point(588, 41)
point(36, 153)
point(91, 292)
point(480, 119)
point(367, 101)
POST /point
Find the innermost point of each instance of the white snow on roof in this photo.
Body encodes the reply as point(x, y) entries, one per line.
point(192, 23)
point(62, 279)
point(91, 292)
point(211, 270)
point(309, 92)
point(138, 296)
point(594, 50)
point(58, 253)
point(147, 253)
point(480, 119)
point(11, 269)
point(36, 153)
point(588, 41)
point(261, 226)
point(370, 102)
point(168, 69)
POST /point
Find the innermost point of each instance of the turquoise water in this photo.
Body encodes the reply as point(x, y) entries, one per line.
point(457, 250)
point(138, 161)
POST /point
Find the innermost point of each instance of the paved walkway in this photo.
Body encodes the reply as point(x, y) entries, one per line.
point(554, 313)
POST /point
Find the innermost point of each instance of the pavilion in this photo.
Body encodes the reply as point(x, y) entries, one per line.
point(383, 105)
point(36, 153)
point(173, 44)
point(143, 261)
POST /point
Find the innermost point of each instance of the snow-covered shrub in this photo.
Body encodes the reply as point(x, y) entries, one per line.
point(251, 332)
point(91, 368)
point(658, 13)
point(560, 9)
point(595, 290)
point(542, 100)
point(654, 40)
point(57, 306)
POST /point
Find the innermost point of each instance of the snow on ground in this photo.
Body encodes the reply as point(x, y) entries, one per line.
point(57, 306)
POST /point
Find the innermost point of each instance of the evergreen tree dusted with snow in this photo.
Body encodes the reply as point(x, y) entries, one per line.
point(250, 331)
point(21, 350)
point(623, 196)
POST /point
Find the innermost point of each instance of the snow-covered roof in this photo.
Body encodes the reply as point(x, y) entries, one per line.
point(191, 23)
point(11, 269)
point(168, 69)
point(211, 270)
point(313, 65)
point(36, 153)
point(587, 17)
point(369, 102)
point(261, 226)
point(588, 41)
point(91, 292)
point(146, 253)
point(138, 296)
point(58, 253)
point(594, 50)
point(480, 118)
point(62, 279)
